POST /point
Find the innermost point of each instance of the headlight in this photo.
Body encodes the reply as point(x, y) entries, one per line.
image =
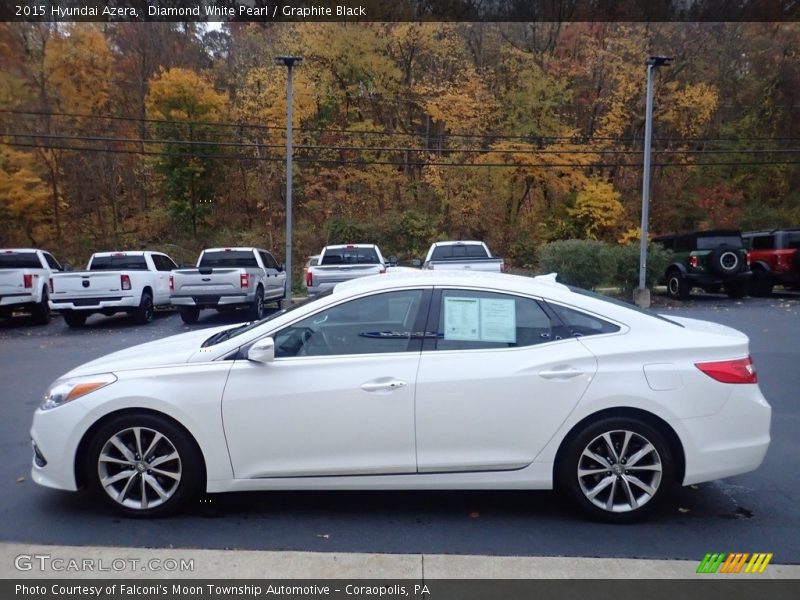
point(65, 390)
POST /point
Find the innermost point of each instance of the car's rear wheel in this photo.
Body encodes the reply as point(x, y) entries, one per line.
point(145, 312)
point(189, 315)
point(257, 308)
point(74, 318)
point(617, 469)
point(143, 465)
point(677, 286)
point(41, 311)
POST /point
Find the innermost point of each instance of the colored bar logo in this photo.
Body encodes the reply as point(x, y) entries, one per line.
point(738, 562)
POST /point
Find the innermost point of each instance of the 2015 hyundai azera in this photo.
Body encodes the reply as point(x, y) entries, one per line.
point(414, 380)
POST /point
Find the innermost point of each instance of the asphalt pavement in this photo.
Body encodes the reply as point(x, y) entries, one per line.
point(756, 512)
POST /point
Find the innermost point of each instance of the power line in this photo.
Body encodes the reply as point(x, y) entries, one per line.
point(397, 163)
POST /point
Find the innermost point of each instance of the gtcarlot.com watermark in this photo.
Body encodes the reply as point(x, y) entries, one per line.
point(48, 563)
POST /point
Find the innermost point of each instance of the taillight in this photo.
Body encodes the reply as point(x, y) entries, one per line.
point(50, 285)
point(171, 283)
point(244, 280)
point(27, 280)
point(741, 370)
point(125, 282)
point(693, 261)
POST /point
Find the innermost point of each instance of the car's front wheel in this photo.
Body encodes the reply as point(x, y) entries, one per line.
point(616, 469)
point(677, 286)
point(143, 465)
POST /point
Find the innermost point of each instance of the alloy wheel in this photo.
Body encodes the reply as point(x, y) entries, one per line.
point(619, 471)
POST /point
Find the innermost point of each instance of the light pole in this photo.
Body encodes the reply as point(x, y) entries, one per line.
point(642, 297)
point(289, 62)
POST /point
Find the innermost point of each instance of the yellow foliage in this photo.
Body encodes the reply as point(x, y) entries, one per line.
point(690, 108)
point(183, 95)
point(598, 209)
point(24, 194)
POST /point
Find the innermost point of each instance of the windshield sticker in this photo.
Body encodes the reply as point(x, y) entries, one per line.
point(498, 321)
point(461, 319)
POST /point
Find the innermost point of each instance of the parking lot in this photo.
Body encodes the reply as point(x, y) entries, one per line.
point(757, 512)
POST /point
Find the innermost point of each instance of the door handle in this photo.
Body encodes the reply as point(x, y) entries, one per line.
point(383, 385)
point(560, 373)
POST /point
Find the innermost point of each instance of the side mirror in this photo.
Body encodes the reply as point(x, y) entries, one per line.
point(263, 351)
point(66, 267)
point(281, 267)
point(186, 266)
point(416, 263)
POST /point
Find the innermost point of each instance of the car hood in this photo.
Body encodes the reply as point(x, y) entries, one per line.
point(175, 349)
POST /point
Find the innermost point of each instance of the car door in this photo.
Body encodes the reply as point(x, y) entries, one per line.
point(164, 266)
point(497, 377)
point(338, 399)
point(274, 280)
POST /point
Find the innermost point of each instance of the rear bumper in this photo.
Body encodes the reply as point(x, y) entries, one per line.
point(702, 279)
point(95, 304)
point(322, 287)
point(199, 301)
point(730, 442)
point(17, 300)
point(785, 277)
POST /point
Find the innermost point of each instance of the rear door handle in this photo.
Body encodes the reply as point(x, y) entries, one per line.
point(560, 373)
point(383, 385)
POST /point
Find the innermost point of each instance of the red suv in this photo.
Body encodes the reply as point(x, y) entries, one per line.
point(774, 257)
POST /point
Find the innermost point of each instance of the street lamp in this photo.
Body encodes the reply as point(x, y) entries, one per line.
point(289, 62)
point(652, 62)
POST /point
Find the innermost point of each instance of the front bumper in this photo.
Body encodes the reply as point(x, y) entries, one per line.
point(56, 434)
point(730, 442)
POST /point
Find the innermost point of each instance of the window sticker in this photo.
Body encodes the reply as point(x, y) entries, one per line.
point(461, 319)
point(498, 321)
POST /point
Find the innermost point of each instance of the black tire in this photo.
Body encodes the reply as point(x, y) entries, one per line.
point(655, 469)
point(41, 312)
point(145, 313)
point(725, 260)
point(74, 318)
point(189, 314)
point(677, 286)
point(761, 283)
point(736, 290)
point(180, 478)
point(257, 308)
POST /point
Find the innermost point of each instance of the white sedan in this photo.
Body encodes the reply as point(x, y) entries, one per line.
point(423, 380)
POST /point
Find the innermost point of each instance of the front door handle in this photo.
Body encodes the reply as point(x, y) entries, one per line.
point(560, 373)
point(383, 385)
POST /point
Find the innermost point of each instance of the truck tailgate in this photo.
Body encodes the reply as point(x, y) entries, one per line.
point(190, 282)
point(339, 273)
point(11, 282)
point(86, 284)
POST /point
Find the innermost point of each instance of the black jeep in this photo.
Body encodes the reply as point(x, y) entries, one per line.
point(709, 260)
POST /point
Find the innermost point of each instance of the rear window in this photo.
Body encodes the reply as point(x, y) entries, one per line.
point(459, 251)
point(715, 241)
point(20, 260)
point(349, 256)
point(119, 263)
point(793, 240)
point(616, 302)
point(232, 258)
point(763, 242)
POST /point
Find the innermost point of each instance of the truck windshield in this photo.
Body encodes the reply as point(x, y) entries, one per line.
point(349, 256)
point(229, 258)
point(19, 260)
point(459, 251)
point(119, 263)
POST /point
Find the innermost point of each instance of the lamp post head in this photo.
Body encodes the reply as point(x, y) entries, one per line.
point(658, 61)
point(288, 61)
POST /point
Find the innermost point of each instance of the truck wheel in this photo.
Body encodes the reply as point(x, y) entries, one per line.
point(257, 309)
point(145, 312)
point(41, 312)
point(74, 318)
point(760, 283)
point(677, 286)
point(189, 315)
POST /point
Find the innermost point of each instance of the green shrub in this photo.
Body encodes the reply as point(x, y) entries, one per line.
point(627, 259)
point(584, 263)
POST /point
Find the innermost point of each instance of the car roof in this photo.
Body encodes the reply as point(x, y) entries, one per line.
point(710, 232)
point(770, 231)
point(458, 242)
point(233, 248)
point(10, 250)
point(124, 252)
point(337, 246)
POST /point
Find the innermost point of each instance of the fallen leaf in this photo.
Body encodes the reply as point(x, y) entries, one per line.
point(683, 510)
point(20, 479)
point(324, 536)
point(474, 515)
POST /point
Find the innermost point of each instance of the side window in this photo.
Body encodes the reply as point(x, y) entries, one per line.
point(470, 320)
point(374, 324)
point(52, 262)
point(158, 261)
point(579, 324)
point(268, 261)
point(763, 242)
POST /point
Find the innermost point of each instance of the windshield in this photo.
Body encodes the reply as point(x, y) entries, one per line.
point(20, 260)
point(237, 330)
point(459, 251)
point(350, 256)
point(617, 302)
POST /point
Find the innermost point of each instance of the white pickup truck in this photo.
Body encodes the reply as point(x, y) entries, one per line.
point(134, 282)
point(468, 254)
point(24, 282)
point(228, 278)
point(343, 262)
